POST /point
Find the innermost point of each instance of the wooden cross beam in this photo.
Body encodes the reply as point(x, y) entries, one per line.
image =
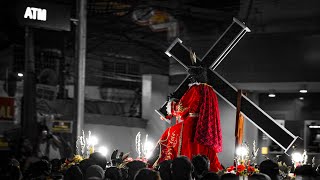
point(280, 135)
point(239, 121)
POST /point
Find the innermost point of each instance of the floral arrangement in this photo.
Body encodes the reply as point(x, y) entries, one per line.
point(84, 149)
point(85, 145)
point(284, 170)
point(244, 164)
point(242, 170)
point(141, 147)
point(121, 160)
point(68, 163)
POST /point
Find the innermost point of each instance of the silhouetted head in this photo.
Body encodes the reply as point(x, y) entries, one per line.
point(74, 172)
point(198, 74)
point(11, 170)
point(201, 166)
point(113, 173)
point(99, 159)
point(210, 176)
point(134, 167)
point(229, 176)
point(39, 168)
point(305, 170)
point(147, 174)
point(56, 165)
point(164, 169)
point(181, 168)
point(94, 172)
point(269, 168)
point(85, 164)
point(259, 176)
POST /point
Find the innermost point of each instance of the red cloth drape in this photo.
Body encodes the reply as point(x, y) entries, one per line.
point(199, 131)
point(208, 130)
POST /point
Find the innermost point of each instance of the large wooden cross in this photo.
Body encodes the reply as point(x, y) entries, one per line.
point(279, 134)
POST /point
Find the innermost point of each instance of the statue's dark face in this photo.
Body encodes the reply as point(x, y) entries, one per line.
point(198, 74)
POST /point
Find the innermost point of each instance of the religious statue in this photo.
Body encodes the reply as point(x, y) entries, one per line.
point(197, 129)
point(195, 107)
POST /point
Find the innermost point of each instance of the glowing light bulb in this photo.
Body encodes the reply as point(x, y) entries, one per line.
point(148, 147)
point(103, 150)
point(297, 157)
point(93, 140)
point(241, 151)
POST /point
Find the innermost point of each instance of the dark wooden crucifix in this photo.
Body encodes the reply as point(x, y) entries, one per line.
point(279, 134)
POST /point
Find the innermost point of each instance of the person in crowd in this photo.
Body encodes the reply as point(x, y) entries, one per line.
point(56, 169)
point(210, 176)
point(201, 166)
point(259, 176)
point(27, 155)
point(306, 171)
point(39, 170)
point(85, 164)
point(113, 173)
point(147, 174)
point(11, 170)
point(133, 167)
point(74, 173)
point(164, 169)
point(270, 168)
point(94, 172)
point(99, 159)
point(229, 176)
point(181, 168)
point(124, 173)
point(49, 145)
point(318, 170)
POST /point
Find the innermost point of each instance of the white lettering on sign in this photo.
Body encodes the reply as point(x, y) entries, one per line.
point(35, 13)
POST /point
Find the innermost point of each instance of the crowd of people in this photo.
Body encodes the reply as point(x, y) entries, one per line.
point(97, 167)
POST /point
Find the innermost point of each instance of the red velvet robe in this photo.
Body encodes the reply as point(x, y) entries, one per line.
point(198, 129)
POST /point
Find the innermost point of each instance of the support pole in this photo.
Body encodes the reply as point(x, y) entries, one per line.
point(81, 33)
point(239, 122)
point(29, 123)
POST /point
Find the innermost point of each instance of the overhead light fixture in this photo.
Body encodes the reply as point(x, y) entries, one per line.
point(20, 74)
point(303, 89)
point(301, 98)
point(314, 126)
point(272, 95)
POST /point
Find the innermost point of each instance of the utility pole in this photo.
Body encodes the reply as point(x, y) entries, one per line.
point(29, 124)
point(79, 90)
